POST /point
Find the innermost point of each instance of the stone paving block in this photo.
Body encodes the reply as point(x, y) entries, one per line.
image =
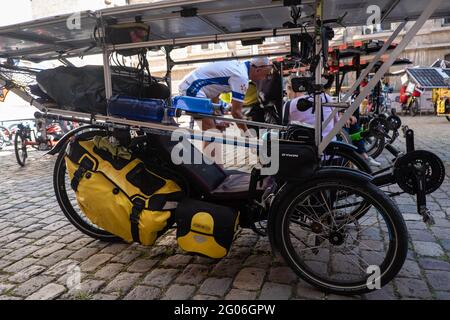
point(439, 280)
point(282, 275)
point(446, 244)
point(4, 252)
point(122, 282)
point(103, 296)
point(430, 249)
point(26, 274)
point(442, 295)
point(20, 265)
point(55, 257)
point(38, 234)
point(275, 291)
point(21, 253)
point(84, 290)
point(62, 267)
point(410, 269)
point(5, 231)
point(84, 253)
point(7, 297)
point(204, 297)
point(260, 261)
point(109, 271)
point(126, 256)
point(237, 294)
point(441, 233)
point(32, 285)
point(304, 290)
point(115, 248)
point(46, 241)
point(160, 277)
point(239, 252)
point(79, 243)
point(47, 250)
point(6, 240)
point(179, 292)
point(56, 225)
point(226, 268)
point(142, 265)
point(50, 291)
point(421, 235)
point(70, 238)
point(415, 288)
point(249, 279)
point(434, 264)
point(94, 262)
point(215, 286)
point(5, 287)
point(143, 293)
point(193, 274)
point(177, 261)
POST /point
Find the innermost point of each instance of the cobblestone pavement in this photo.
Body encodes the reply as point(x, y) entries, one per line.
point(40, 251)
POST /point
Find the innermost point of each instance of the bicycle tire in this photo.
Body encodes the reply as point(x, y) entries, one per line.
point(20, 151)
point(396, 252)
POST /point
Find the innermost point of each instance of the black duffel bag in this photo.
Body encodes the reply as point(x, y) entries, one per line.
point(83, 89)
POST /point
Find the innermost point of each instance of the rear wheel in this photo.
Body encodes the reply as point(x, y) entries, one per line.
point(414, 108)
point(67, 198)
point(20, 147)
point(330, 247)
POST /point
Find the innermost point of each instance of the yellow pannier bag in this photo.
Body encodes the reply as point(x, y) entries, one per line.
point(206, 228)
point(118, 193)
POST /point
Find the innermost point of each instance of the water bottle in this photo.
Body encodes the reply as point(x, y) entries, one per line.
point(196, 105)
point(139, 109)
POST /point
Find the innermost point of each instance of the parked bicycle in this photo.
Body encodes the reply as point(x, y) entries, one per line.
point(40, 139)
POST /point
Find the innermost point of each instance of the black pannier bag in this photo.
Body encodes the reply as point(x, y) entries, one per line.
point(205, 228)
point(83, 89)
point(298, 155)
point(297, 160)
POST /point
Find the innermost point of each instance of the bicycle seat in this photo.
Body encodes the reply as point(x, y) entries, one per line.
point(210, 180)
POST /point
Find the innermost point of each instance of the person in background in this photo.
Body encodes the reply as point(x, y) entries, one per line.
point(295, 110)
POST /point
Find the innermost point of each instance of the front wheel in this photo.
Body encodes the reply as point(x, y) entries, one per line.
point(448, 118)
point(20, 147)
point(330, 247)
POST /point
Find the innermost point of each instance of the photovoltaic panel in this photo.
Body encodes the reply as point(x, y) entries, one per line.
point(429, 77)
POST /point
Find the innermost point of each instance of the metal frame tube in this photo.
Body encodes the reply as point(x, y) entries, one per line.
point(426, 14)
point(206, 39)
point(108, 120)
point(230, 58)
point(318, 71)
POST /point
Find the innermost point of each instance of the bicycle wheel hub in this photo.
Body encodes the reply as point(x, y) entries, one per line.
point(336, 238)
point(316, 227)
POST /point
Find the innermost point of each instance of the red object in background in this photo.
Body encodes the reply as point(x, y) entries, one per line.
point(53, 128)
point(403, 95)
point(416, 93)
